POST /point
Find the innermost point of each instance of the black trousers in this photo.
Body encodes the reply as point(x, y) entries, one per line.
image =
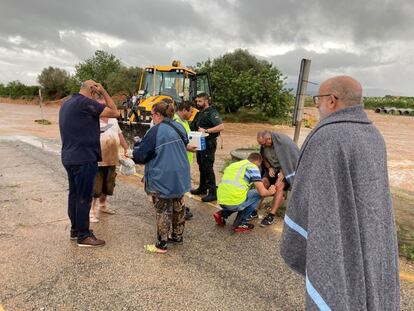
point(205, 161)
point(81, 180)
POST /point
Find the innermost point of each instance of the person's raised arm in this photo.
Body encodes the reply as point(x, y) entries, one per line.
point(110, 110)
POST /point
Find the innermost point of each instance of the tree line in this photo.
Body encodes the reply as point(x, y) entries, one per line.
point(238, 79)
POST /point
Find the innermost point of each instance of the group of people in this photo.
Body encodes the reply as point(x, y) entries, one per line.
point(97, 159)
point(339, 230)
point(271, 172)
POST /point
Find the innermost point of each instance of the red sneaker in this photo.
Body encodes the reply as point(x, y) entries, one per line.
point(244, 228)
point(218, 217)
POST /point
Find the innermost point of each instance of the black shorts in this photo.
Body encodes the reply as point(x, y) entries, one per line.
point(104, 181)
point(272, 180)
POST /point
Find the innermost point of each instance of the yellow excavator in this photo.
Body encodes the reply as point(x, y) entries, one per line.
point(157, 83)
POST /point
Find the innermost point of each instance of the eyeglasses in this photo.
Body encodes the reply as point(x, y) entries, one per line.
point(317, 98)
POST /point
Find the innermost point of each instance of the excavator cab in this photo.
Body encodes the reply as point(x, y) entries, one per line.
point(156, 84)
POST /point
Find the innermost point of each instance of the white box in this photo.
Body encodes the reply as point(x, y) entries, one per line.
point(198, 139)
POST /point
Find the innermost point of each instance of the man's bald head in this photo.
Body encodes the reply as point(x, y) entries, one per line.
point(87, 88)
point(345, 88)
point(86, 85)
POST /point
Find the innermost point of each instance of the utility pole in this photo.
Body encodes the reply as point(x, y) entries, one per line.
point(41, 112)
point(300, 97)
point(41, 106)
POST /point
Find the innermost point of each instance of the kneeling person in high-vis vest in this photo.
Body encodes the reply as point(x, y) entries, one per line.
point(234, 193)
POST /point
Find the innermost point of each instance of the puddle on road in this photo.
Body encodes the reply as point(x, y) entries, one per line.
point(49, 145)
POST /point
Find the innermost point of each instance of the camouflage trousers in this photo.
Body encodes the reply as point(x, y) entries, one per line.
point(170, 215)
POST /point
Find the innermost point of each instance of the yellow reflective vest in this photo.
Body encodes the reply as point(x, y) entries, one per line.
point(184, 123)
point(233, 188)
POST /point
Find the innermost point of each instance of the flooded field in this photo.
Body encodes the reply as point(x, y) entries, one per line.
point(19, 119)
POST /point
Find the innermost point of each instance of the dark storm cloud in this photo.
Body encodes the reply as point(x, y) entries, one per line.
point(337, 60)
point(132, 20)
point(362, 35)
point(303, 21)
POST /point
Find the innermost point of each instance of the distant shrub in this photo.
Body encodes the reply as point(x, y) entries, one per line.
point(389, 101)
point(16, 89)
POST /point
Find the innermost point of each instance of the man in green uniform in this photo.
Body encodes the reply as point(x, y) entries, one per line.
point(183, 114)
point(207, 121)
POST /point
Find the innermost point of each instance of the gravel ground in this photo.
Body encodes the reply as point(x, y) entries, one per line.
point(41, 268)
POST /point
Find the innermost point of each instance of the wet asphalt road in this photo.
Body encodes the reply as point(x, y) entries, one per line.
point(214, 269)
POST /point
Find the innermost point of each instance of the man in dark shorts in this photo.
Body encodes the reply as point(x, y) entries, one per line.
point(207, 121)
point(111, 137)
point(280, 155)
point(81, 151)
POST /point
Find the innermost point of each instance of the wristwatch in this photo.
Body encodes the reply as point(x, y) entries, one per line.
point(206, 131)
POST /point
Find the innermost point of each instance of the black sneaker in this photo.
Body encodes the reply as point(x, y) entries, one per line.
point(209, 197)
point(254, 215)
point(244, 228)
point(268, 220)
point(188, 214)
point(175, 240)
point(198, 191)
point(73, 235)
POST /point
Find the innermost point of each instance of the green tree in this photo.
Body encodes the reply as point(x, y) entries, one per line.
point(73, 85)
point(124, 81)
point(3, 90)
point(16, 89)
point(54, 82)
point(239, 79)
point(98, 68)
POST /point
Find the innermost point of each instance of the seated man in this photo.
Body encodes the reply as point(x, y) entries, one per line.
point(234, 195)
point(280, 155)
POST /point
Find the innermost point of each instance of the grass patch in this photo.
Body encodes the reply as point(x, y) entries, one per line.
point(407, 252)
point(249, 115)
point(405, 243)
point(43, 121)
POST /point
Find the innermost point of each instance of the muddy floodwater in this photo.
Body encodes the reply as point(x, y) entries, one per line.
point(398, 132)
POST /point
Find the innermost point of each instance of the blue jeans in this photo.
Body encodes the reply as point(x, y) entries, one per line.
point(81, 181)
point(244, 209)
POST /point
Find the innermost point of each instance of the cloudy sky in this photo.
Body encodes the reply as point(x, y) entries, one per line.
point(372, 40)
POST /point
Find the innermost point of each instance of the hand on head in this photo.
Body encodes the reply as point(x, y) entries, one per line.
point(91, 89)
